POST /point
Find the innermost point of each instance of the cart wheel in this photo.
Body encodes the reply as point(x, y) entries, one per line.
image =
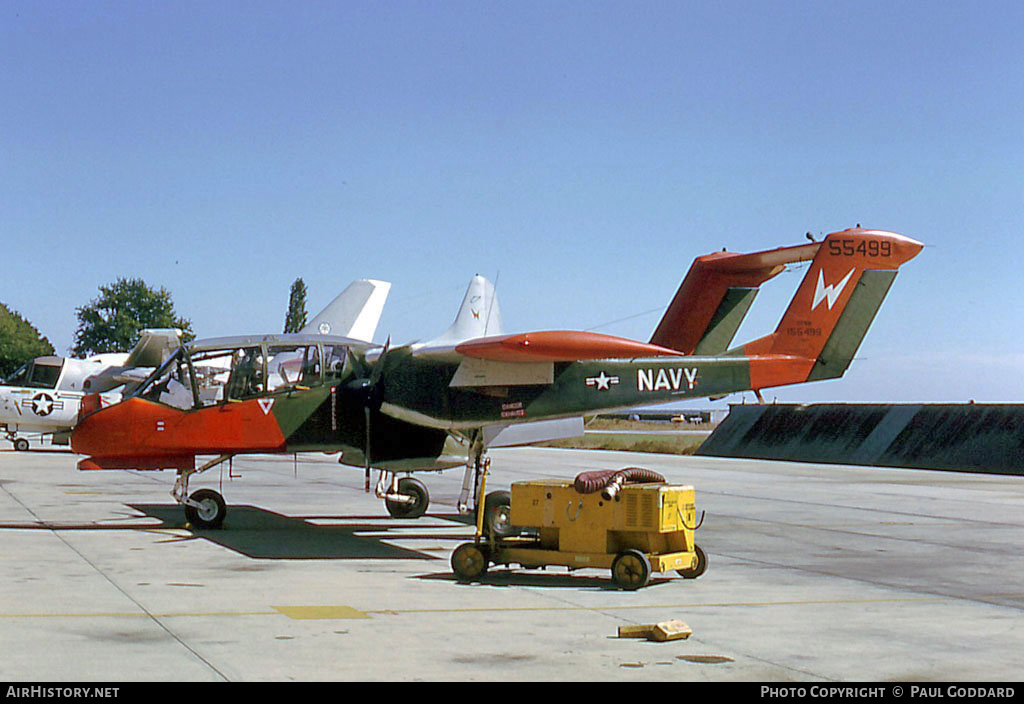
point(211, 510)
point(631, 569)
point(21, 444)
point(414, 488)
point(469, 561)
point(698, 569)
point(497, 510)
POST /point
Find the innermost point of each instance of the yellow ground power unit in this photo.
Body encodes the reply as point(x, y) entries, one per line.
point(632, 529)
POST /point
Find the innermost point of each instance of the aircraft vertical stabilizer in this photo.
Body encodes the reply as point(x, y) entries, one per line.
point(479, 315)
point(832, 309)
point(354, 313)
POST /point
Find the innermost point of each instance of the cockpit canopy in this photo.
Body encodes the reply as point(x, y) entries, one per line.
point(204, 373)
point(39, 373)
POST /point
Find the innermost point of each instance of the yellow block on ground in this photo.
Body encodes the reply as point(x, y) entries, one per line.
point(666, 630)
point(671, 630)
point(642, 631)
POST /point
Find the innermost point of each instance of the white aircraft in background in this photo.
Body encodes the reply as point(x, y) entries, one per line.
point(44, 394)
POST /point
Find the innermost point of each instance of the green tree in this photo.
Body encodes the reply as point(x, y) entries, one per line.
point(19, 341)
point(295, 320)
point(112, 322)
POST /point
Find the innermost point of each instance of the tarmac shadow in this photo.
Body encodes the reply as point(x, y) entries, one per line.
point(499, 577)
point(265, 535)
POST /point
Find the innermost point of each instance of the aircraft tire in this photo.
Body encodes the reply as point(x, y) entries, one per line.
point(631, 569)
point(212, 511)
point(470, 561)
point(497, 512)
point(414, 488)
point(698, 569)
point(21, 444)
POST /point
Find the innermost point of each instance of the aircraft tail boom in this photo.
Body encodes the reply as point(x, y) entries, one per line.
point(716, 295)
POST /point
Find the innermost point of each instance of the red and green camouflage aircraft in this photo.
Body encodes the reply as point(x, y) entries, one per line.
point(396, 408)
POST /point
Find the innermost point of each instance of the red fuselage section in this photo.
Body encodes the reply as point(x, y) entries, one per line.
point(141, 434)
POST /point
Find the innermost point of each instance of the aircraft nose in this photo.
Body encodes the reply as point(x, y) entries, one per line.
point(92, 432)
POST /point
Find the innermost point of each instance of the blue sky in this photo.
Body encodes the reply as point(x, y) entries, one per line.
point(581, 154)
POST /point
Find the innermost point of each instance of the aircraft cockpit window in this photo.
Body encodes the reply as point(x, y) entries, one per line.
point(248, 374)
point(293, 366)
point(335, 361)
point(44, 376)
point(171, 385)
point(19, 377)
point(212, 369)
point(35, 375)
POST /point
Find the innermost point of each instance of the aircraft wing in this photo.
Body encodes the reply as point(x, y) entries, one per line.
point(354, 313)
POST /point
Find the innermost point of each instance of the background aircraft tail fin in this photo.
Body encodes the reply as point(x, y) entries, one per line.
point(478, 316)
point(833, 307)
point(716, 295)
point(354, 313)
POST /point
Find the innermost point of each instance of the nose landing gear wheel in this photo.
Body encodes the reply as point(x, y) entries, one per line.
point(631, 569)
point(210, 511)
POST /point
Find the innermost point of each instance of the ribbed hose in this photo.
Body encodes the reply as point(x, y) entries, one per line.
point(609, 481)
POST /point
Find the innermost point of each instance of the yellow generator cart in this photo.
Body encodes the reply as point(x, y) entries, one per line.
point(634, 530)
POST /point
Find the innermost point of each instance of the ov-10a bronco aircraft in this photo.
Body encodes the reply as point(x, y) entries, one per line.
point(394, 408)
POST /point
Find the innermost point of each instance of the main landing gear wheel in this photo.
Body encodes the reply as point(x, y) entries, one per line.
point(420, 499)
point(497, 511)
point(21, 444)
point(631, 569)
point(469, 561)
point(698, 569)
point(210, 511)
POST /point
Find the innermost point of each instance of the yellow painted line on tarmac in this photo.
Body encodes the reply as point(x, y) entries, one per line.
point(322, 613)
point(634, 607)
point(341, 612)
point(142, 614)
